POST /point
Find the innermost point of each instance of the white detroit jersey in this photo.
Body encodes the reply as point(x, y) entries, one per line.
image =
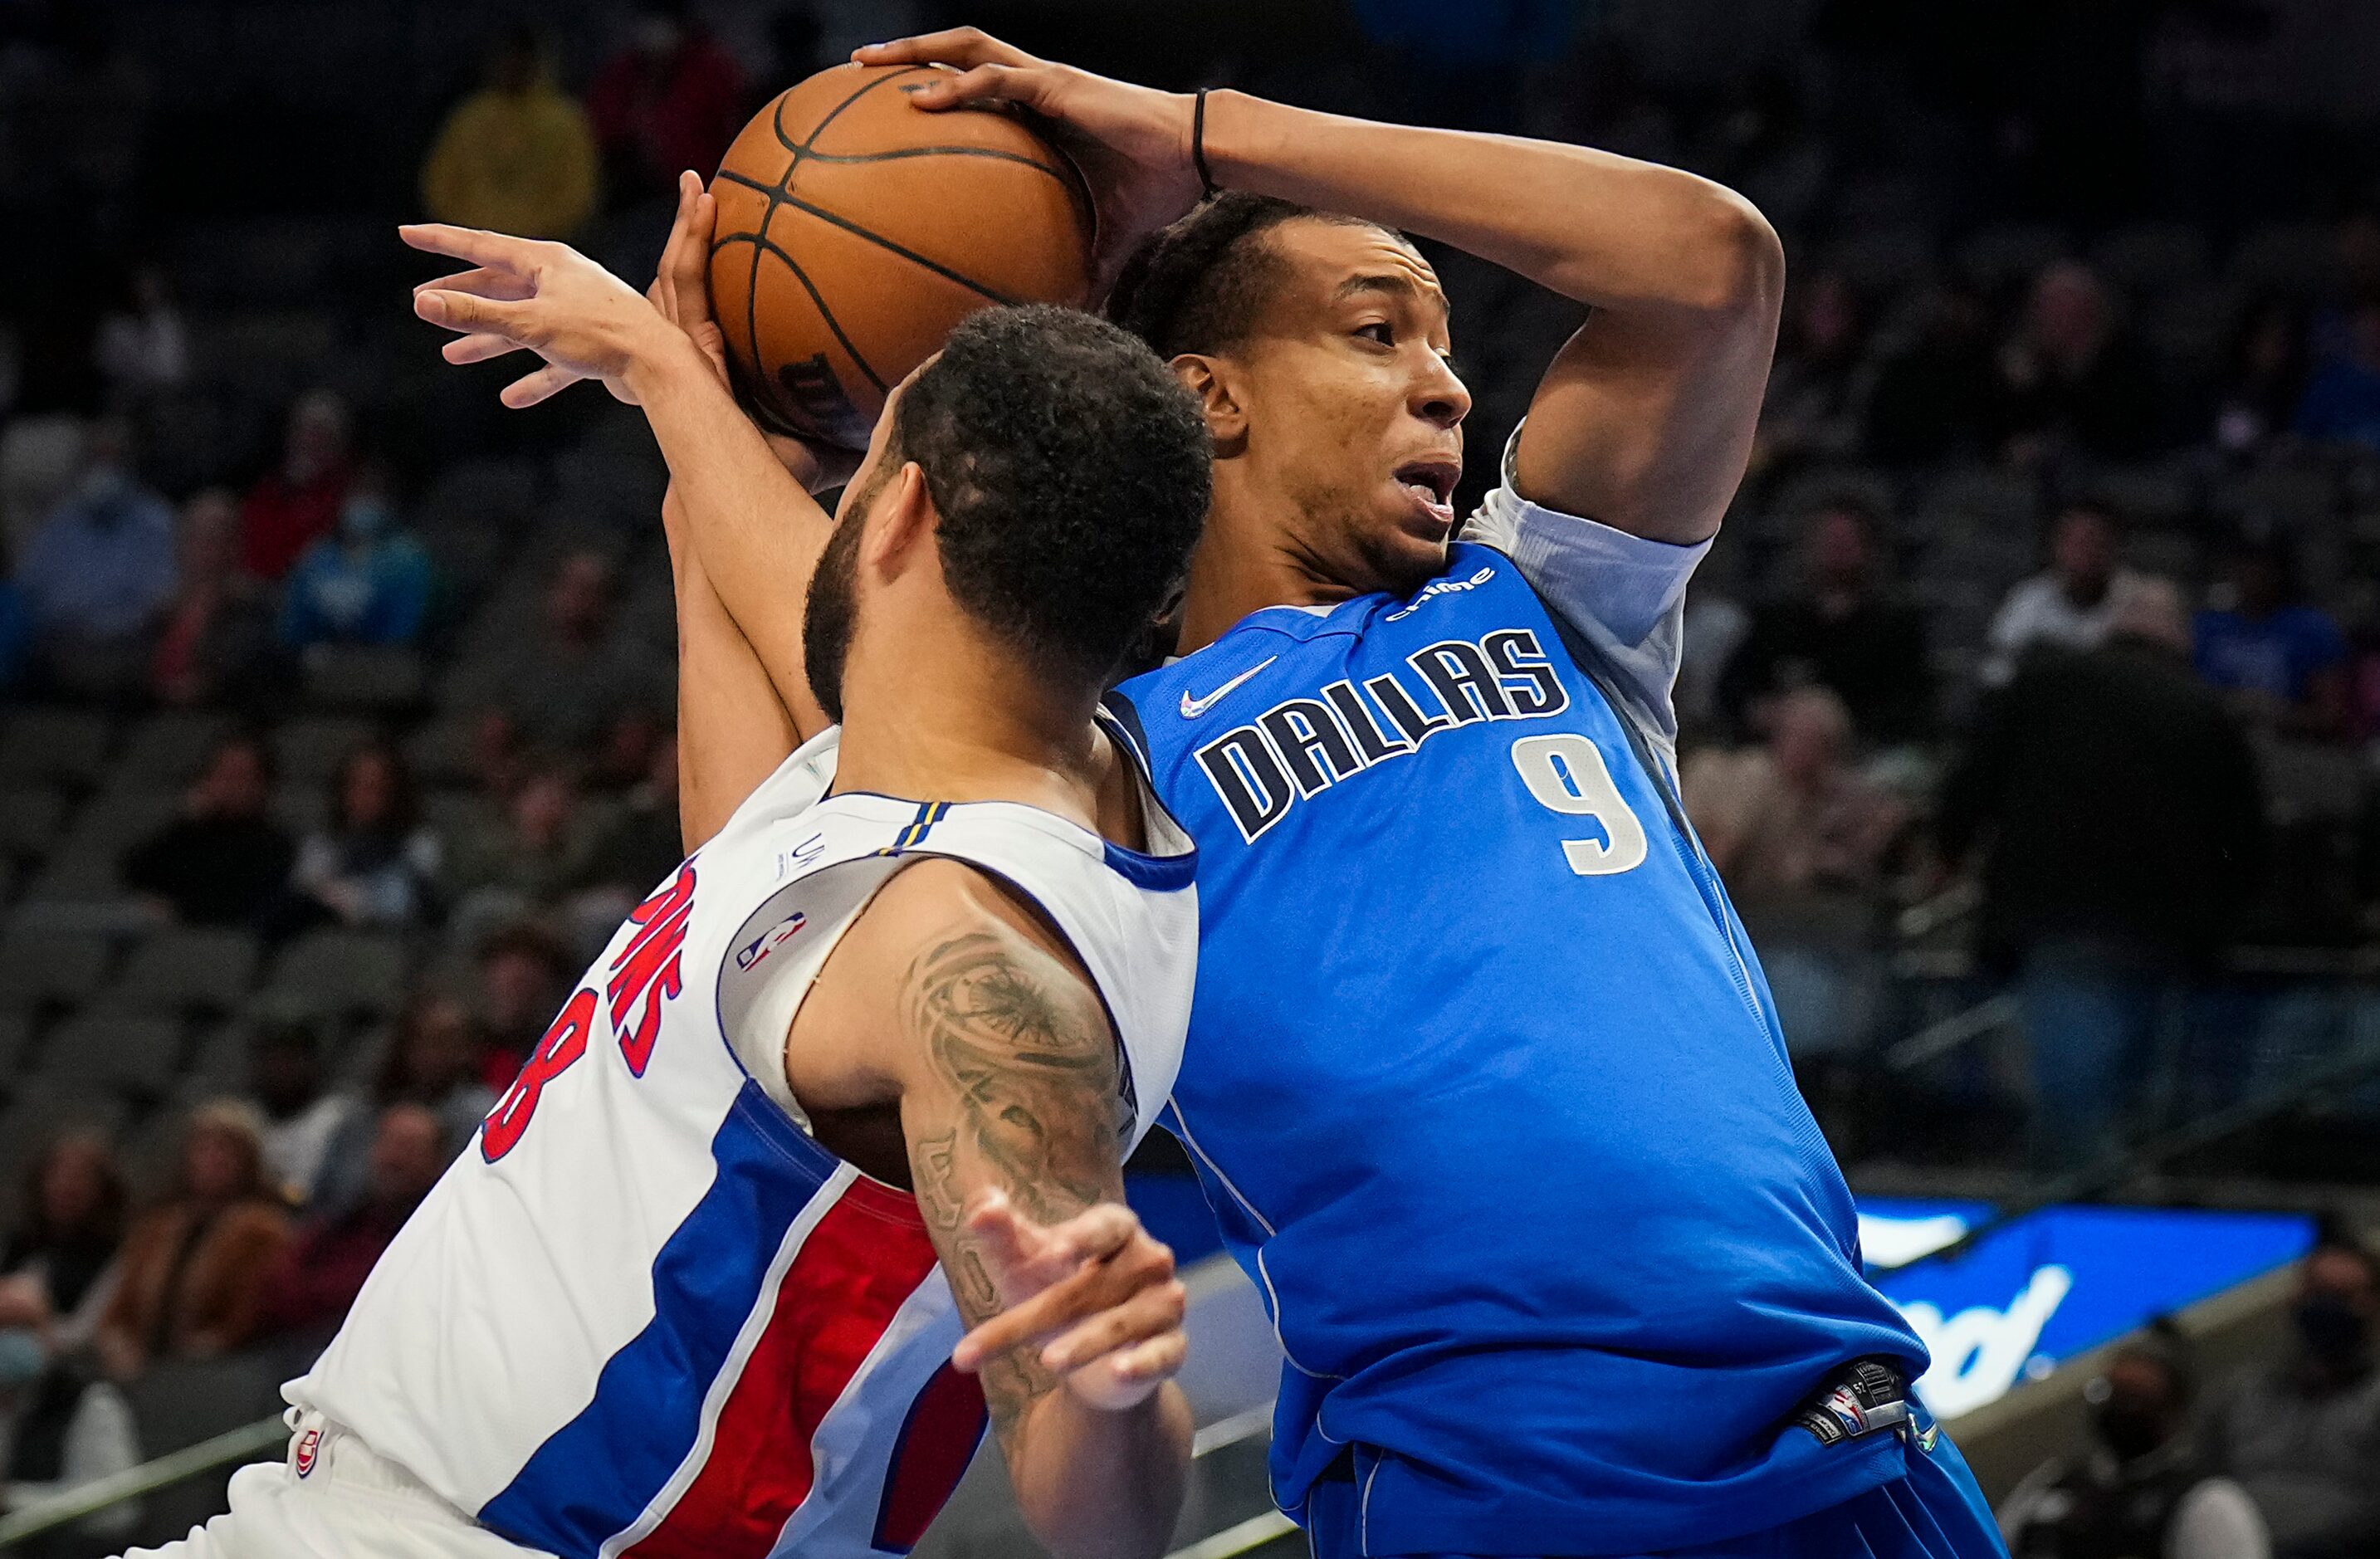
point(645, 1311)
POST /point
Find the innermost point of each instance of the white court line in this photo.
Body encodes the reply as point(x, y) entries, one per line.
point(1234, 1540)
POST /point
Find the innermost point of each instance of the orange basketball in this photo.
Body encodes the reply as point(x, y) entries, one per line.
point(856, 230)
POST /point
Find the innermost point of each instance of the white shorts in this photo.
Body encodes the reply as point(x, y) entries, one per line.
point(333, 1495)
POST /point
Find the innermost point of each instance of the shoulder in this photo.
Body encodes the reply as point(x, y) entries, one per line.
point(940, 919)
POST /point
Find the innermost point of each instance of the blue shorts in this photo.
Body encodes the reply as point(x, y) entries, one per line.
point(1935, 1512)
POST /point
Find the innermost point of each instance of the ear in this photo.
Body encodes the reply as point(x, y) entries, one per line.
point(902, 519)
point(1211, 379)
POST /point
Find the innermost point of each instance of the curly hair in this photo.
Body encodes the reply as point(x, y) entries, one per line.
point(1071, 472)
point(1196, 286)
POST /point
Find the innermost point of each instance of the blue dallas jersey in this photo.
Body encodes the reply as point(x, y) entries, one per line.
point(1483, 1079)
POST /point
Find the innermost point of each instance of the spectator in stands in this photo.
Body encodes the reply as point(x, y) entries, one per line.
point(1793, 818)
point(1840, 629)
point(99, 572)
point(2342, 403)
point(194, 1268)
point(59, 1269)
point(367, 584)
point(1818, 388)
point(142, 346)
point(322, 1270)
point(672, 99)
point(2113, 802)
point(433, 1061)
point(2282, 662)
point(225, 861)
point(2140, 1488)
point(300, 1116)
point(2072, 378)
point(564, 689)
point(2303, 1434)
point(1938, 398)
point(517, 155)
point(375, 864)
point(218, 627)
point(2066, 607)
point(534, 855)
point(2263, 378)
point(60, 1428)
point(299, 499)
point(645, 843)
point(524, 974)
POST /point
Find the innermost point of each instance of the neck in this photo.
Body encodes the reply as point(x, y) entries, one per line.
point(971, 728)
point(1248, 559)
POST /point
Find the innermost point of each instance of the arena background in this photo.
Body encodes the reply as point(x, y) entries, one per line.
point(337, 700)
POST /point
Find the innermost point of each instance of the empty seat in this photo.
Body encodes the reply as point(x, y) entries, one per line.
point(55, 744)
point(29, 816)
point(310, 749)
point(110, 1051)
point(341, 971)
point(374, 676)
point(165, 749)
point(184, 967)
point(37, 966)
point(2152, 256)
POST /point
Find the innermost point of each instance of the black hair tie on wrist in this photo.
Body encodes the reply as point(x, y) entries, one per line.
point(1199, 144)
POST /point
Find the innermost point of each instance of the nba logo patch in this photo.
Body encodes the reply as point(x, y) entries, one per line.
point(309, 1443)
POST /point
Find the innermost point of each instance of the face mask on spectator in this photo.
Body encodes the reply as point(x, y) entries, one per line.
point(2128, 1429)
point(366, 519)
point(2333, 1330)
point(21, 1357)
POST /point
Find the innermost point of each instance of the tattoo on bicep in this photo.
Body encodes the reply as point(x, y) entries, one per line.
point(1034, 1079)
point(1032, 1063)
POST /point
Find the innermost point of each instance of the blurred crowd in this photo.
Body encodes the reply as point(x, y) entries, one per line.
point(2032, 691)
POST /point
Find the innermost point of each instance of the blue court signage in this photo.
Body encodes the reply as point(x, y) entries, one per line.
point(2055, 1283)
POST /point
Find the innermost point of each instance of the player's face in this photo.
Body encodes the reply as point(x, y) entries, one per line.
point(1354, 412)
point(833, 607)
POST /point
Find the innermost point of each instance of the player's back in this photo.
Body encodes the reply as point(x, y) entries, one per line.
point(1488, 1091)
point(646, 1312)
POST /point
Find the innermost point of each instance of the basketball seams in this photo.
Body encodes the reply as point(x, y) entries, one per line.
point(856, 231)
point(762, 244)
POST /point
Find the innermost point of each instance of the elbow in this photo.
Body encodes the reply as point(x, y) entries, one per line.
point(1737, 267)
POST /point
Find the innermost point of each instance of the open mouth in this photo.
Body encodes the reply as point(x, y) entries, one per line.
point(1431, 483)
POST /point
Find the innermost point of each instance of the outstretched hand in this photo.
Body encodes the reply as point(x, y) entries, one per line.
point(528, 294)
point(1132, 143)
point(1096, 1294)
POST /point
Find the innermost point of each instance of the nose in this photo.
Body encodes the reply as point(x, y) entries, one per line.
point(1438, 396)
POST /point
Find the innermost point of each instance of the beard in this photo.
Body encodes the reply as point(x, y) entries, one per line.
point(827, 619)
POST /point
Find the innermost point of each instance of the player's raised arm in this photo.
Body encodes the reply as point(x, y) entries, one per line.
point(1645, 420)
point(758, 529)
point(1005, 1064)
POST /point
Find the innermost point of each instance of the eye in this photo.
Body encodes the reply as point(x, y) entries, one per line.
point(1381, 331)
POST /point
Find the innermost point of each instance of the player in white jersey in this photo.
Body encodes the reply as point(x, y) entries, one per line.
point(912, 1002)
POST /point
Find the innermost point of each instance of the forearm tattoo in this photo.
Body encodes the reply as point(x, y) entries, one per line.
point(1034, 1078)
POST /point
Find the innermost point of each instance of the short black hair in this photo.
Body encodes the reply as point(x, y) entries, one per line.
point(1071, 471)
point(1196, 286)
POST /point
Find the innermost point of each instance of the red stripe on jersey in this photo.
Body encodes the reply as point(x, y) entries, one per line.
point(861, 1262)
point(937, 1442)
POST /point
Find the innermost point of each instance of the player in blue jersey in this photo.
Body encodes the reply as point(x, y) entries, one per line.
point(1482, 1076)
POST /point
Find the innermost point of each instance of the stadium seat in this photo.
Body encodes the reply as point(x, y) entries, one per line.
point(38, 456)
point(364, 677)
point(2295, 498)
point(2152, 256)
point(167, 749)
point(2007, 255)
point(310, 746)
point(1883, 259)
point(2299, 258)
point(69, 744)
point(100, 1051)
point(208, 969)
point(176, 1403)
point(15, 1034)
point(2148, 495)
point(340, 972)
point(29, 818)
point(38, 966)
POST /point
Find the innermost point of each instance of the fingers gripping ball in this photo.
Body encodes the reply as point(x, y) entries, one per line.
point(854, 230)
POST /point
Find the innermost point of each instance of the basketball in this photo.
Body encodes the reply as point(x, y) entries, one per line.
point(856, 230)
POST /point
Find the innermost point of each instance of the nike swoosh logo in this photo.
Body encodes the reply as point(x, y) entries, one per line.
point(1193, 708)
